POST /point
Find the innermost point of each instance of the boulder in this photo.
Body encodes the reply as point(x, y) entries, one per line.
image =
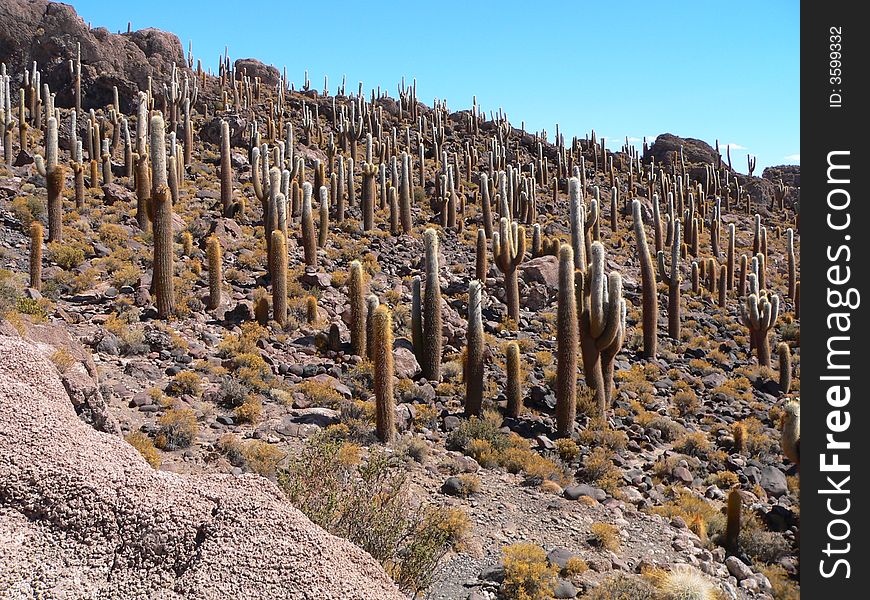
point(253, 68)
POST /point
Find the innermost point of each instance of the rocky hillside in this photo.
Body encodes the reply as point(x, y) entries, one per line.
point(493, 363)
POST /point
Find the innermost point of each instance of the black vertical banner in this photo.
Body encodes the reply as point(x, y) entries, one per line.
point(835, 251)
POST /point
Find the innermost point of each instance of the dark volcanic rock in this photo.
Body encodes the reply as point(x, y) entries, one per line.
point(47, 32)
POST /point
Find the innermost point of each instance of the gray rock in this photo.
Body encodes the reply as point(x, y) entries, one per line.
point(564, 589)
point(574, 492)
point(738, 568)
point(773, 481)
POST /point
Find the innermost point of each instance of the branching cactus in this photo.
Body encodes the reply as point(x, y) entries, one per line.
point(673, 281)
point(475, 351)
point(567, 344)
point(356, 292)
point(36, 255)
point(508, 249)
point(759, 314)
point(162, 209)
point(54, 174)
point(648, 285)
point(279, 277)
point(309, 233)
point(385, 408)
point(215, 277)
point(601, 317)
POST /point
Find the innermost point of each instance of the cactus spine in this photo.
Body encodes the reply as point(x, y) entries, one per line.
point(279, 277)
point(474, 353)
point(356, 292)
point(567, 343)
point(385, 411)
point(509, 248)
point(648, 283)
point(215, 277)
point(36, 255)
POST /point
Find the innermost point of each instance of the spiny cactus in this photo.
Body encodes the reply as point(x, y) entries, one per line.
point(723, 286)
point(372, 303)
point(393, 202)
point(513, 389)
point(797, 299)
point(226, 169)
point(187, 243)
point(567, 344)
point(601, 315)
point(311, 311)
point(215, 277)
point(356, 292)
point(162, 208)
point(730, 256)
point(279, 277)
point(791, 432)
point(486, 205)
point(482, 257)
point(309, 234)
point(792, 267)
point(673, 281)
point(432, 324)
point(732, 524)
point(261, 307)
point(417, 318)
point(649, 285)
point(759, 314)
point(784, 353)
point(475, 350)
point(36, 255)
point(508, 249)
point(323, 224)
point(385, 409)
point(54, 174)
point(577, 222)
point(369, 176)
point(405, 194)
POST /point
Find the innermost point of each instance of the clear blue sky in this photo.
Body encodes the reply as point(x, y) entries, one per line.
point(726, 70)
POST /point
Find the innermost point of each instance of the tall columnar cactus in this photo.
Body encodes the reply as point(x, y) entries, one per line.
point(279, 277)
point(369, 193)
point(405, 194)
point(797, 300)
point(567, 344)
point(163, 264)
point(602, 312)
point(356, 292)
point(142, 173)
point(485, 204)
point(730, 257)
point(417, 319)
point(791, 432)
point(732, 524)
point(215, 276)
point(792, 266)
point(482, 257)
point(514, 389)
point(323, 224)
point(474, 354)
point(309, 233)
point(723, 286)
point(508, 249)
point(54, 174)
point(673, 281)
point(393, 201)
point(759, 314)
point(36, 255)
point(372, 304)
point(648, 283)
point(578, 225)
point(385, 408)
point(784, 353)
point(226, 169)
point(431, 314)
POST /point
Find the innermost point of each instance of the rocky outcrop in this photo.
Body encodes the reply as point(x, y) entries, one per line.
point(83, 515)
point(47, 32)
point(253, 68)
point(694, 151)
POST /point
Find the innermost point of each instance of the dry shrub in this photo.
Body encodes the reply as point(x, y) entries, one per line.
point(527, 574)
point(178, 429)
point(146, 448)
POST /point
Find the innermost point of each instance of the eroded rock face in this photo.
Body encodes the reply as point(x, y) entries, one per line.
point(47, 32)
point(253, 68)
point(83, 515)
point(694, 150)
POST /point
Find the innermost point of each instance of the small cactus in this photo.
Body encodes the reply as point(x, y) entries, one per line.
point(358, 313)
point(791, 432)
point(385, 409)
point(215, 277)
point(475, 351)
point(311, 311)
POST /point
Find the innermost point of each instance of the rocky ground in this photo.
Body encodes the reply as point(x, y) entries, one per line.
point(658, 471)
